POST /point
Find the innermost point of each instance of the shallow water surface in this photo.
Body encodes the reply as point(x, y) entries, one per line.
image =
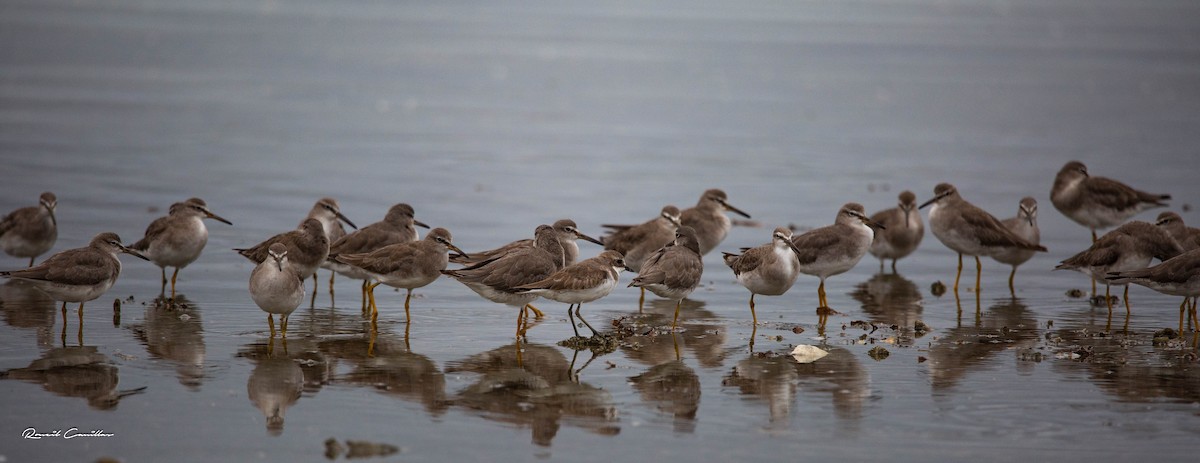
point(492, 119)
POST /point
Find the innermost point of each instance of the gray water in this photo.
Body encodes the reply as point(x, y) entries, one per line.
point(490, 119)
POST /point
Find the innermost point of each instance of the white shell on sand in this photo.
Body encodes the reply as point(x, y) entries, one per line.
point(808, 354)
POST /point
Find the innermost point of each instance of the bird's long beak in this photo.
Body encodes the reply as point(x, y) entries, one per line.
point(582, 236)
point(934, 200)
point(871, 223)
point(132, 252)
point(218, 218)
point(792, 244)
point(674, 220)
point(348, 222)
point(907, 211)
point(456, 249)
point(734, 209)
point(420, 224)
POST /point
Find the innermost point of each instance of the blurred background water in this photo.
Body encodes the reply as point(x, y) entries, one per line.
point(490, 118)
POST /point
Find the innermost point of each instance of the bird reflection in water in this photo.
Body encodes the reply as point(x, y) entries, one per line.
point(698, 334)
point(1007, 325)
point(891, 299)
point(174, 332)
point(531, 385)
point(385, 363)
point(776, 379)
point(275, 384)
point(26, 307)
point(673, 388)
point(75, 372)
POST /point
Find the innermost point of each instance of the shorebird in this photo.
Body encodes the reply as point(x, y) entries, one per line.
point(709, 220)
point(1177, 276)
point(495, 279)
point(638, 242)
point(1098, 202)
point(80, 274)
point(177, 239)
point(969, 230)
point(329, 213)
point(1025, 226)
point(770, 269)
point(30, 231)
point(902, 233)
point(396, 227)
point(1187, 237)
point(307, 247)
point(576, 284)
point(408, 265)
point(276, 287)
point(674, 271)
point(565, 230)
point(1129, 247)
point(835, 249)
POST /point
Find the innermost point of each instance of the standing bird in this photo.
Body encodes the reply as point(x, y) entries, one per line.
point(1025, 226)
point(1187, 237)
point(902, 231)
point(770, 269)
point(30, 231)
point(408, 265)
point(495, 279)
point(835, 249)
point(276, 287)
point(586, 281)
point(1129, 247)
point(329, 213)
point(1098, 202)
point(1177, 276)
point(638, 242)
point(80, 274)
point(307, 248)
point(565, 230)
point(177, 239)
point(969, 230)
point(709, 220)
point(395, 228)
point(674, 271)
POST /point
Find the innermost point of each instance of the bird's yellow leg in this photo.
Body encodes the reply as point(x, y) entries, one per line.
point(271, 323)
point(978, 273)
point(371, 299)
point(365, 283)
point(407, 297)
point(1183, 306)
point(521, 314)
point(1011, 289)
point(958, 275)
point(538, 314)
point(174, 276)
point(676, 319)
point(752, 315)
